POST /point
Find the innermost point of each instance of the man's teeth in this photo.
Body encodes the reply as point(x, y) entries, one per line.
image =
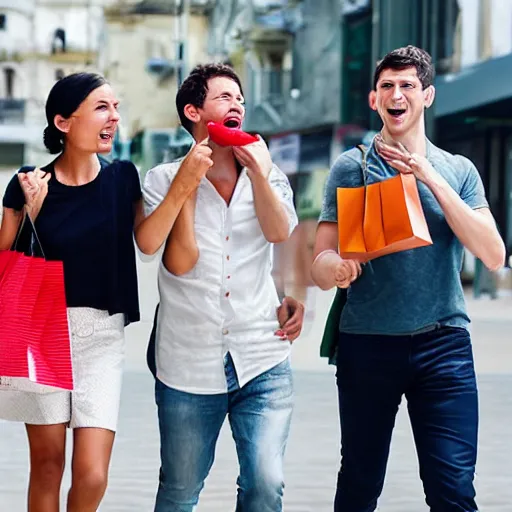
point(105, 136)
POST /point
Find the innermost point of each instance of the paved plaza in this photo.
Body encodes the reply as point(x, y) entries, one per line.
point(313, 450)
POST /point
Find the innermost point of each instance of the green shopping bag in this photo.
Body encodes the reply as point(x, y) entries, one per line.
point(329, 345)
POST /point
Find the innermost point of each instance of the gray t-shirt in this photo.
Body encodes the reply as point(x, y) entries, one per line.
point(415, 290)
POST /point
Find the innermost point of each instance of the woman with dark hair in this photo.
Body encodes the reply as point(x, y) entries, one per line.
point(85, 211)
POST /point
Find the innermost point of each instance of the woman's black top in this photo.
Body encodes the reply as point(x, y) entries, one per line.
point(90, 229)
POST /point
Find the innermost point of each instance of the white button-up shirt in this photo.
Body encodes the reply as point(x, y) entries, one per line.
point(227, 302)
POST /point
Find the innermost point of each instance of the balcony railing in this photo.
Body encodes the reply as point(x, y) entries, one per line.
point(12, 111)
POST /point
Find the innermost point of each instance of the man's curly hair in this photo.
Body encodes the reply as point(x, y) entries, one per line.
point(195, 87)
point(407, 57)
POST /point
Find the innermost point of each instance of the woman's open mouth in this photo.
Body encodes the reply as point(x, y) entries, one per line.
point(106, 136)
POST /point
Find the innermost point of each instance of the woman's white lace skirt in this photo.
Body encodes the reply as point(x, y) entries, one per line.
point(97, 346)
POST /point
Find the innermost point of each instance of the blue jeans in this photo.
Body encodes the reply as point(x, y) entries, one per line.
point(435, 372)
point(259, 415)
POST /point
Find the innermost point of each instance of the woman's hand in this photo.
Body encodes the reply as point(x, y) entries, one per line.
point(35, 188)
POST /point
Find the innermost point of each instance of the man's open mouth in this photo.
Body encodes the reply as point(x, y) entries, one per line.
point(232, 122)
point(396, 112)
point(106, 136)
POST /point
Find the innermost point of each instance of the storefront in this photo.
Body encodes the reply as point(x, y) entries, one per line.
point(474, 118)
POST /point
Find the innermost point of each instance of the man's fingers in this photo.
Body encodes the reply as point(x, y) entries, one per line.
point(239, 150)
point(204, 142)
point(292, 336)
point(293, 327)
point(292, 321)
point(403, 167)
point(283, 316)
point(403, 149)
point(400, 166)
point(354, 267)
point(296, 318)
point(347, 272)
point(206, 160)
point(204, 150)
point(394, 153)
point(354, 271)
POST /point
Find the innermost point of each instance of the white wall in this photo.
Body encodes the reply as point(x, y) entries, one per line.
point(20, 83)
point(470, 10)
point(472, 32)
point(15, 39)
point(30, 32)
point(501, 27)
point(81, 24)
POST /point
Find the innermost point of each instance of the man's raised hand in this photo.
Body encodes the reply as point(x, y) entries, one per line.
point(196, 164)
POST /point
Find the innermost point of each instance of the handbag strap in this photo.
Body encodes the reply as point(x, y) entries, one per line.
point(26, 240)
point(364, 163)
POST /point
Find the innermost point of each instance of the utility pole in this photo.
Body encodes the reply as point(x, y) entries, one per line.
point(181, 20)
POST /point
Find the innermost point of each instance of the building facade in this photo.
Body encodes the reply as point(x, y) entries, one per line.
point(471, 45)
point(40, 42)
point(287, 53)
point(149, 46)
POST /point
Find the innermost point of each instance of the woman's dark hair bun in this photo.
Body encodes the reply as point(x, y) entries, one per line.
point(52, 139)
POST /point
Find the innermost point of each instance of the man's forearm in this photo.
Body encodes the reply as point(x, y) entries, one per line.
point(153, 231)
point(271, 214)
point(475, 230)
point(181, 251)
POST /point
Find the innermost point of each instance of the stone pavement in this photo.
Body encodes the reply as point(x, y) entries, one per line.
point(313, 450)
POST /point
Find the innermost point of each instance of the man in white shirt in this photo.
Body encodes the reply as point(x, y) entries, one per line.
point(219, 348)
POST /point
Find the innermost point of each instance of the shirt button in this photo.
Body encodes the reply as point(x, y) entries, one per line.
point(227, 257)
point(225, 331)
point(227, 294)
point(229, 277)
point(227, 238)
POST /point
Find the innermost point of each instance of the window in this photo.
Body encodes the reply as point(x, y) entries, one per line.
point(180, 63)
point(3, 21)
point(9, 82)
point(447, 35)
point(59, 41)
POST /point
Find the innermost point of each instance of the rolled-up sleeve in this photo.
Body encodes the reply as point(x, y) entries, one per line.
point(281, 186)
point(156, 185)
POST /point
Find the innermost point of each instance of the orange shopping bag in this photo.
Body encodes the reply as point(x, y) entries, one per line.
point(380, 218)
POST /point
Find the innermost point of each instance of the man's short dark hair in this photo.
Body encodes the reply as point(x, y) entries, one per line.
point(407, 57)
point(195, 87)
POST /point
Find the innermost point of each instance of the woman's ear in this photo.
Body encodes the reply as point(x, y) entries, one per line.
point(61, 123)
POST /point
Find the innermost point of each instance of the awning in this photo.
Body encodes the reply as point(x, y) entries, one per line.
point(484, 83)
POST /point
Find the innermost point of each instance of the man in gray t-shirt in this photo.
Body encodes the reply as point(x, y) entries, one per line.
point(404, 326)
